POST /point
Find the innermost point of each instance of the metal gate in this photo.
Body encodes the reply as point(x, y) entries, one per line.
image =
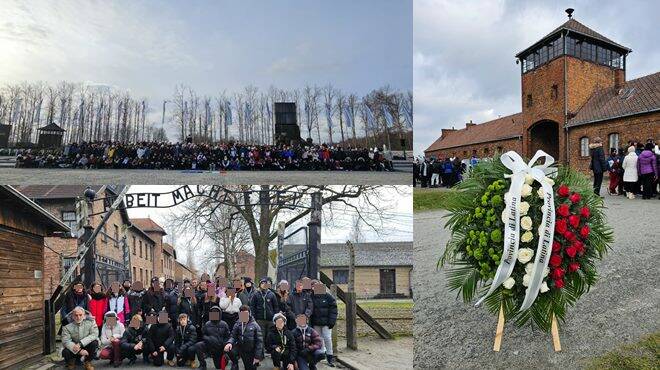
point(293, 260)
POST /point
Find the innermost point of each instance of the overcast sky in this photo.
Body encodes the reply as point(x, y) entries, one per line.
point(396, 205)
point(464, 66)
point(148, 47)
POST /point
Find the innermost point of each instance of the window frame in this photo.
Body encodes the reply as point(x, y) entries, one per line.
point(584, 146)
point(336, 273)
point(609, 140)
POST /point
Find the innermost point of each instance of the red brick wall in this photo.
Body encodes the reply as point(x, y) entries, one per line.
point(67, 247)
point(637, 128)
point(464, 152)
point(584, 78)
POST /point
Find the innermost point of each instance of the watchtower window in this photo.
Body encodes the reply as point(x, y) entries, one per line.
point(555, 92)
point(530, 102)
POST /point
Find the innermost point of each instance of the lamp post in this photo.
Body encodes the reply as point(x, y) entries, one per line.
point(162, 124)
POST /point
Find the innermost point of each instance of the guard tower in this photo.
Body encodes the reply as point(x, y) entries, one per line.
point(50, 136)
point(559, 73)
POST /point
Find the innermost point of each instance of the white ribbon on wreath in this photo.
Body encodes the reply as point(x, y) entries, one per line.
point(520, 169)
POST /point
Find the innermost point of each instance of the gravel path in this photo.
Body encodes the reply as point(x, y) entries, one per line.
point(623, 306)
point(69, 176)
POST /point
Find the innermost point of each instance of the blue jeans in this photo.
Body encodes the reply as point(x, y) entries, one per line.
point(309, 362)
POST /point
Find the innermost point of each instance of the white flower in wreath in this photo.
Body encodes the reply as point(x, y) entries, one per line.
point(540, 193)
point(525, 254)
point(549, 181)
point(524, 207)
point(526, 223)
point(530, 266)
point(526, 279)
point(509, 283)
point(544, 287)
point(507, 198)
point(527, 237)
point(505, 216)
point(529, 179)
point(526, 190)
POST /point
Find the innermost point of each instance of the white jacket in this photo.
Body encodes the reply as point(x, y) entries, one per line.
point(629, 166)
point(228, 306)
point(108, 333)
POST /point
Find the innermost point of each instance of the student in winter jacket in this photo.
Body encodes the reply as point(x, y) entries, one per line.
point(301, 302)
point(135, 298)
point(308, 344)
point(134, 340)
point(98, 303)
point(111, 334)
point(324, 318)
point(153, 299)
point(160, 337)
point(230, 305)
point(281, 344)
point(285, 307)
point(215, 335)
point(188, 304)
point(598, 164)
point(263, 306)
point(80, 339)
point(77, 297)
point(171, 297)
point(647, 170)
point(183, 346)
point(245, 294)
point(246, 342)
point(119, 303)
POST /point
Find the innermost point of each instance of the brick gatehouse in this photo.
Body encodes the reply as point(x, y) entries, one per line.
point(574, 88)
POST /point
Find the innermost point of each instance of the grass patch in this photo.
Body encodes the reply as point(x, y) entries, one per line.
point(405, 304)
point(427, 199)
point(642, 355)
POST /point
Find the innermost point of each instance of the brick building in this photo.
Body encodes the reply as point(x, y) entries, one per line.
point(574, 89)
point(156, 233)
point(142, 253)
point(60, 201)
point(244, 265)
point(168, 261)
point(182, 272)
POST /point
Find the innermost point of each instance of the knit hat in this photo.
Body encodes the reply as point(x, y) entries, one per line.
point(278, 316)
point(215, 308)
point(263, 280)
point(110, 314)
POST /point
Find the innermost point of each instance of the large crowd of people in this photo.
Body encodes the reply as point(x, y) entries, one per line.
point(213, 157)
point(436, 172)
point(183, 324)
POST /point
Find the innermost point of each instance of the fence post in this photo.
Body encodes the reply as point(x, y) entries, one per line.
point(351, 306)
point(333, 291)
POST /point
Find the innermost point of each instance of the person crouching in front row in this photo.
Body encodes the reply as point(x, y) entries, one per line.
point(160, 338)
point(246, 341)
point(281, 344)
point(80, 339)
point(111, 334)
point(215, 335)
point(185, 337)
point(133, 342)
point(308, 344)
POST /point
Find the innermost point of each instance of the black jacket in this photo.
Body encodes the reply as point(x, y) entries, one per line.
point(135, 302)
point(171, 298)
point(283, 339)
point(307, 341)
point(285, 308)
point(598, 163)
point(216, 334)
point(325, 310)
point(184, 338)
point(186, 306)
point(301, 303)
point(133, 336)
point(248, 338)
point(153, 300)
point(160, 335)
point(264, 305)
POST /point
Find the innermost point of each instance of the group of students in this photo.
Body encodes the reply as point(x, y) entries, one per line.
point(179, 323)
point(193, 156)
point(633, 171)
point(435, 172)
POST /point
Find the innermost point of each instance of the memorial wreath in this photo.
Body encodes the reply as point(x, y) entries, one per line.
point(525, 237)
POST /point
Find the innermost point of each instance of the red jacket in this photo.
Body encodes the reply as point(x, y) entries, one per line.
point(98, 308)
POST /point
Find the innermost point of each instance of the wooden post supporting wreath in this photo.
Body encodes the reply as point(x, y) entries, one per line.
point(500, 330)
point(555, 334)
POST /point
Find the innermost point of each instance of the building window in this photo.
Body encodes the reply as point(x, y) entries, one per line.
point(614, 141)
point(555, 91)
point(69, 219)
point(140, 248)
point(584, 146)
point(105, 234)
point(340, 276)
point(464, 153)
point(134, 273)
point(530, 102)
point(141, 274)
point(116, 236)
point(500, 149)
point(134, 241)
point(486, 150)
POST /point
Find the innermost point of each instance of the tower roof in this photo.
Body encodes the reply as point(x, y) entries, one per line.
point(573, 27)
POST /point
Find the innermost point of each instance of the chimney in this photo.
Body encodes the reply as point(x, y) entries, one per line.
point(470, 124)
point(619, 79)
point(446, 131)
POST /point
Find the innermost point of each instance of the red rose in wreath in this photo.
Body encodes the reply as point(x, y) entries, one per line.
point(563, 191)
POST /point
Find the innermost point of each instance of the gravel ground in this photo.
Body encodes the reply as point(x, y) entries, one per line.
point(69, 176)
point(623, 306)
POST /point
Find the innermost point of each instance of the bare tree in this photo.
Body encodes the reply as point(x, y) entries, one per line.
point(329, 97)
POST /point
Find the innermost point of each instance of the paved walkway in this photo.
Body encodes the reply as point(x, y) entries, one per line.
point(621, 308)
point(68, 176)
